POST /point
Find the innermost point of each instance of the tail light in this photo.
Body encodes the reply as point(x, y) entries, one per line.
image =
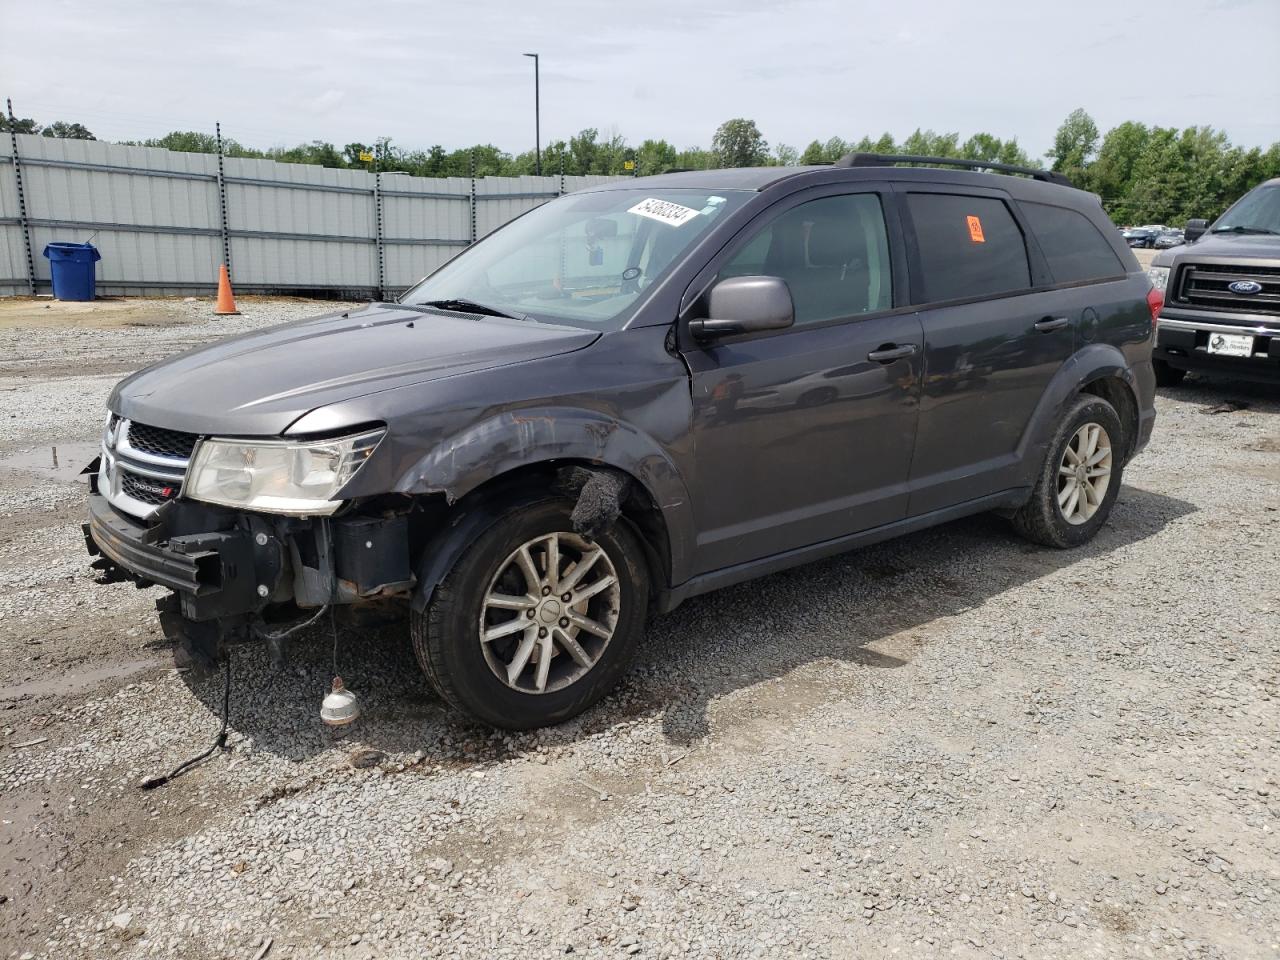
point(1155, 302)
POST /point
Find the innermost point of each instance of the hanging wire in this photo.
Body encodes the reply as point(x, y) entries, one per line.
point(333, 625)
point(280, 635)
point(218, 744)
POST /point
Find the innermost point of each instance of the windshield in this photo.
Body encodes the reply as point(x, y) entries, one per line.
point(1258, 211)
point(580, 260)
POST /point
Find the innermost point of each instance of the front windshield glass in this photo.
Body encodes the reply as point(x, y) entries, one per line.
point(582, 259)
point(1256, 212)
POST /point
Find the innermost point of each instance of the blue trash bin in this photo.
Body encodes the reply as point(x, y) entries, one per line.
point(71, 265)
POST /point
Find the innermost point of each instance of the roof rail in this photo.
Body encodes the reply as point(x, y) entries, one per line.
point(889, 159)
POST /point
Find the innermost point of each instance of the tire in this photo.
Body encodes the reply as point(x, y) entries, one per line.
point(1044, 519)
point(1167, 376)
point(464, 669)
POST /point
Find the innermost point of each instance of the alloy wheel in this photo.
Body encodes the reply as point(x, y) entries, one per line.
point(549, 613)
point(1084, 473)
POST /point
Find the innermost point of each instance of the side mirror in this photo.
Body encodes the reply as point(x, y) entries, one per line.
point(1195, 229)
point(746, 305)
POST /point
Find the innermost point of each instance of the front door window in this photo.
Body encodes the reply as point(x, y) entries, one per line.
point(832, 252)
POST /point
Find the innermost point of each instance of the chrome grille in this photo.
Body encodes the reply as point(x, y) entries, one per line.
point(161, 442)
point(1209, 285)
point(143, 466)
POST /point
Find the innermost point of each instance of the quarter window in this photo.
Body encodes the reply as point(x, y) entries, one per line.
point(969, 247)
point(1073, 247)
point(833, 253)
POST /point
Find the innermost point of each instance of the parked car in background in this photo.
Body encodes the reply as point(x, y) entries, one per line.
point(1222, 294)
point(536, 447)
point(1170, 238)
point(1139, 237)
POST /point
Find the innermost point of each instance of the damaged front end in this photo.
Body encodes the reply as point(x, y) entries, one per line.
point(245, 532)
point(255, 538)
point(231, 570)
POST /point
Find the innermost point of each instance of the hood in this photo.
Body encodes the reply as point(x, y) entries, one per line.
point(1258, 246)
point(259, 383)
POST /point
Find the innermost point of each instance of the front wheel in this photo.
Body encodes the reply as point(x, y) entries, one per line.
point(534, 623)
point(1080, 479)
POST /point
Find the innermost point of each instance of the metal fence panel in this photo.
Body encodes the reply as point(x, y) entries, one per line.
point(150, 212)
point(300, 226)
point(289, 265)
point(426, 222)
point(500, 200)
point(156, 216)
point(13, 255)
point(572, 183)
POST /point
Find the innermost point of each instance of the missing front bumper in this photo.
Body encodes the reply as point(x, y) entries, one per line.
point(226, 564)
point(218, 574)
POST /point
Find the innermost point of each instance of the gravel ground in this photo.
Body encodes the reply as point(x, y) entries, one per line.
point(954, 744)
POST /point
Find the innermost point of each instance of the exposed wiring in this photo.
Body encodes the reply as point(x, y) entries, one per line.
point(219, 743)
point(258, 631)
point(333, 625)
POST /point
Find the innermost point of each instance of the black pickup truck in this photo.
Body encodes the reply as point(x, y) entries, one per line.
point(1221, 310)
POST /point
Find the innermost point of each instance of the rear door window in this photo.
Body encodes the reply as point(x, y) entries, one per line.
point(969, 247)
point(1074, 248)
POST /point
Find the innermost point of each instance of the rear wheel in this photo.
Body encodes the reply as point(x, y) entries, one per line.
point(1167, 376)
point(534, 623)
point(1080, 479)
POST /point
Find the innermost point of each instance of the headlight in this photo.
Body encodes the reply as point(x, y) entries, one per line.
point(277, 476)
point(1159, 277)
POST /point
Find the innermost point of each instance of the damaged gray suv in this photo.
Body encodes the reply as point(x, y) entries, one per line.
point(632, 395)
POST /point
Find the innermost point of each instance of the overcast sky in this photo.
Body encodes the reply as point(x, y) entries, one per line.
point(276, 72)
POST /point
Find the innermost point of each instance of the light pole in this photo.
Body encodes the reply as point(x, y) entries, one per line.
point(537, 116)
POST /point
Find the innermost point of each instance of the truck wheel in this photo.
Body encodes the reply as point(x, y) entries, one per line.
point(1080, 478)
point(534, 623)
point(1167, 376)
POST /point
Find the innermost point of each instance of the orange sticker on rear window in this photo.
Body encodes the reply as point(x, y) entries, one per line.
point(975, 230)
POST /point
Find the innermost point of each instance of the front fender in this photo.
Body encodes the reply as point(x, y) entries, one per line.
point(520, 438)
point(1093, 362)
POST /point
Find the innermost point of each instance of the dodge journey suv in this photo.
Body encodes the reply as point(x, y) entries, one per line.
point(632, 395)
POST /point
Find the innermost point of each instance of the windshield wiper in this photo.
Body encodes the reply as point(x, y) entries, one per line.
point(1238, 229)
point(463, 305)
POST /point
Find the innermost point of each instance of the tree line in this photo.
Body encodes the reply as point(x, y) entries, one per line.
point(1143, 174)
point(1159, 174)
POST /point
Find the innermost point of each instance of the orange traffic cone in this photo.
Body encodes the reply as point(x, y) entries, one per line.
point(226, 302)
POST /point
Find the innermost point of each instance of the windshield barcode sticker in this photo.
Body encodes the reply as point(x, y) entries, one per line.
point(664, 211)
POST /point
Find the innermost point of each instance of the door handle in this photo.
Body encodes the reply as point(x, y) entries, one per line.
point(1050, 324)
point(892, 351)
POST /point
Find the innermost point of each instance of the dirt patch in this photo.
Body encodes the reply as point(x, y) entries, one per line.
point(111, 313)
point(1269, 444)
point(96, 315)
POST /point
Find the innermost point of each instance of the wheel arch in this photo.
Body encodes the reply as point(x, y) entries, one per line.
point(1100, 369)
point(526, 484)
point(1120, 393)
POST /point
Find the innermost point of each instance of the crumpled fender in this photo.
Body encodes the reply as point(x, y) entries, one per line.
point(518, 438)
point(1093, 362)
